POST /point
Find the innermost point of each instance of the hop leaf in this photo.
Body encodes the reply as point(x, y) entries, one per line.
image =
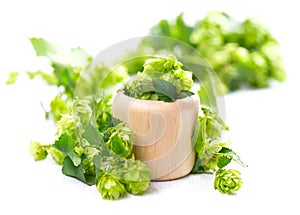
point(227, 181)
point(12, 77)
point(110, 187)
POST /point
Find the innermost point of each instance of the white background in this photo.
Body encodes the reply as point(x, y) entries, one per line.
point(264, 123)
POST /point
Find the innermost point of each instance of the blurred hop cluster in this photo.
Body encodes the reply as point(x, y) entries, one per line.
point(242, 53)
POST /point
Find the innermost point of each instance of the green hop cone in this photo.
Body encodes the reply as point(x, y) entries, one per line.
point(137, 178)
point(137, 187)
point(58, 107)
point(120, 140)
point(38, 150)
point(228, 181)
point(57, 155)
point(110, 187)
point(88, 166)
point(66, 124)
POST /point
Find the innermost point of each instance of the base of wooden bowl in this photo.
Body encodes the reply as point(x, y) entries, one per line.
point(182, 170)
point(163, 133)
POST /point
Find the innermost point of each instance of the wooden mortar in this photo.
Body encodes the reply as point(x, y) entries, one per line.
point(163, 132)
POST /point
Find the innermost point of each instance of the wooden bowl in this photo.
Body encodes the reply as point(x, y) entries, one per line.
point(163, 133)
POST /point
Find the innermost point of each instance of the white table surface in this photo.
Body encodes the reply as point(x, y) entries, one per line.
point(264, 123)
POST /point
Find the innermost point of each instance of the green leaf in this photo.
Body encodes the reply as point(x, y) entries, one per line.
point(223, 161)
point(116, 144)
point(178, 29)
point(90, 179)
point(200, 135)
point(79, 58)
point(66, 145)
point(48, 49)
point(12, 77)
point(70, 169)
point(184, 93)
point(162, 28)
point(205, 97)
point(199, 168)
point(181, 30)
point(48, 77)
point(114, 77)
point(65, 77)
point(165, 90)
point(230, 154)
point(92, 135)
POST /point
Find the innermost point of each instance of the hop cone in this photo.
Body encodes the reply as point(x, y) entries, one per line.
point(110, 187)
point(57, 155)
point(120, 140)
point(38, 151)
point(88, 166)
point(137, 178)
point(227, 181)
